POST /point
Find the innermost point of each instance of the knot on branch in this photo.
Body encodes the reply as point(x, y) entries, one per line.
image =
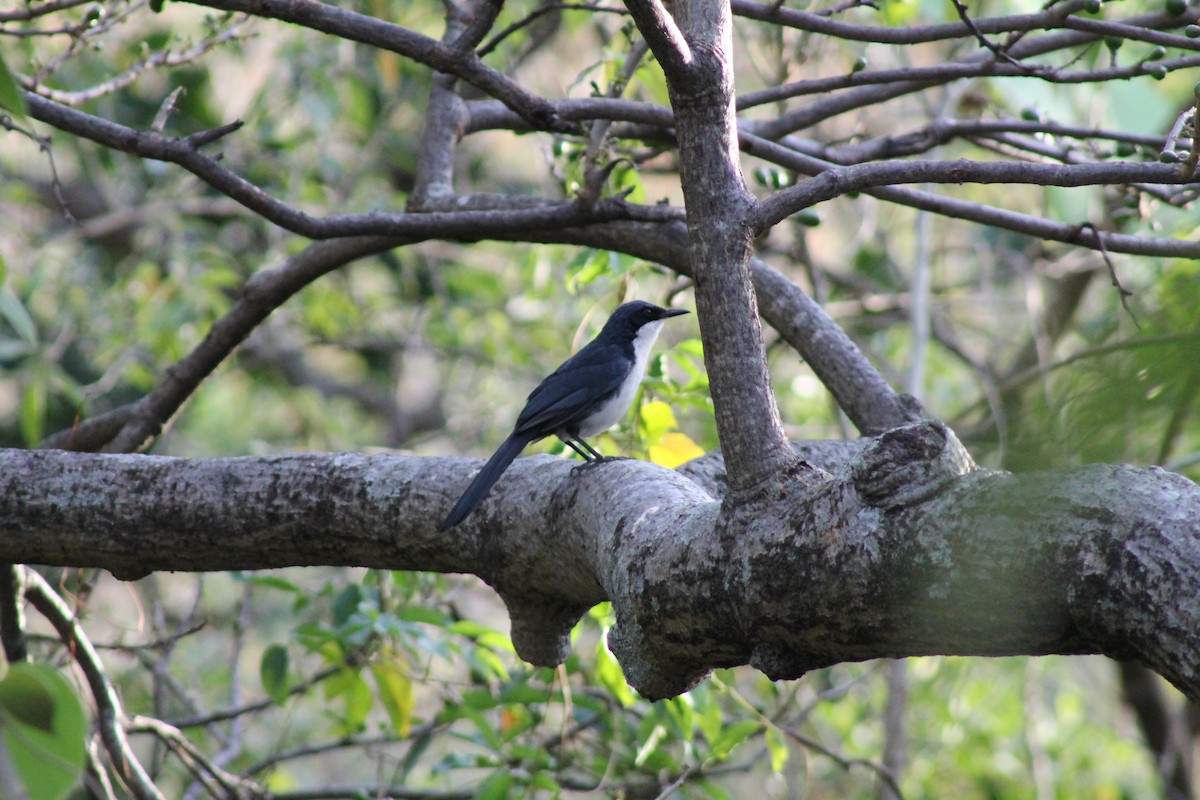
point(909, 464)
point(541, 629)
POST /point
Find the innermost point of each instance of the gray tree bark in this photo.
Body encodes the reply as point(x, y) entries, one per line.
point(894, 547)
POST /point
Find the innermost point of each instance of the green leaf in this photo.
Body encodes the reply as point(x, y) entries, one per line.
point(44, 728)
point(610, 676)
point(272, 581)
point(588, 267)
point(15, 314)
point(346, 604)
point(395, 689)
point(429, 616)
point(496, 786)
point(488, 730)
point(12, 99)
point(33, 411)
point(273, 670)
point(349, 685)
point(731, 736)
point(777, 747)
point(26, 699)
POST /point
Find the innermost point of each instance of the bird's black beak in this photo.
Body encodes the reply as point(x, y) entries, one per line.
point(673, 312)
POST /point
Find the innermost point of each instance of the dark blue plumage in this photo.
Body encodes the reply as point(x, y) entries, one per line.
point(587, 394)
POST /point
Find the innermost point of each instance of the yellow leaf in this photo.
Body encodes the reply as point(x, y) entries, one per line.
point(676, 449)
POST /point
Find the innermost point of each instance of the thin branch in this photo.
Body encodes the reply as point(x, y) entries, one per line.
point(538, 13)
point(845, 762)
point(410, 44)
point(12, 617)
point(185, 152)
point(1057, 15)
point(31, 11)
point(218, 782)
point(999, 52)
point(1122, 292)
point(865, 96)
point(110, 716)
point(373, 790)
point(252, 707)
point(158, 60)
point(837, 181)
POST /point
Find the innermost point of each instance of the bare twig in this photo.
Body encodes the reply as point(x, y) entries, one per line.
point(1122, 292)
point(110, 717)
point(442, 57)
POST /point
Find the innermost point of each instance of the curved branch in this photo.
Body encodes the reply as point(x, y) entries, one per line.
point(922, 77)
point(841, 180)
point(111, 718)
point(666, 41)
point(40, 10)
point(865, 96)
point(1055, 16)
point(410, 44)
point(132, 427)
point(802, 157)
point(185, 151)
point(1001, 218)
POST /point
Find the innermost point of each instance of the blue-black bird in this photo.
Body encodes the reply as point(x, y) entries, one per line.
point(587, 394)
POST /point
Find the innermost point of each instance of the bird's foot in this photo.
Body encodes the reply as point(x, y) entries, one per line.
point(579, 468)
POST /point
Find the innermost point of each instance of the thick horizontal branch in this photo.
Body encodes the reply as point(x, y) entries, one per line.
point(905, 550)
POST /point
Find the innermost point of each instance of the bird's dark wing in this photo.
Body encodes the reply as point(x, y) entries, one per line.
point(572, 391)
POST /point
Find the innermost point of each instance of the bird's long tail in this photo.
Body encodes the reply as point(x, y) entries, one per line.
point(487, 476)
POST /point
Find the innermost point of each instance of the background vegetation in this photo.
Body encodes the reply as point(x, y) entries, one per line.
point(348, 683)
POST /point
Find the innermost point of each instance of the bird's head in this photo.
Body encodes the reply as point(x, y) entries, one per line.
point(639, 318)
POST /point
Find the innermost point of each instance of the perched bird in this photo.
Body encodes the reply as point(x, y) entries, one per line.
point(587, 394)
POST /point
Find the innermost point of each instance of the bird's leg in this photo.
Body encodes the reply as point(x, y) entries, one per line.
point(591, 456)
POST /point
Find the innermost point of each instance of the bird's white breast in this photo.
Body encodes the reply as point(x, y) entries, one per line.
point(608, 413)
